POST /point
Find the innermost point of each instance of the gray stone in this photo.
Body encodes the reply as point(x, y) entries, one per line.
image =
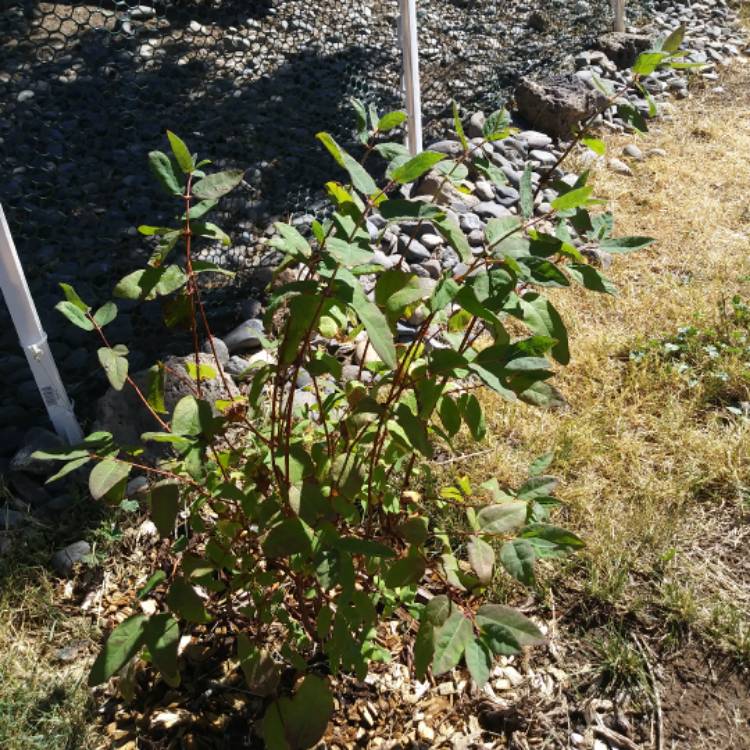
point(433, 268)
point(236, 366)
point(623, 48)
point(451, 148)
point(620, 167)
point(557, 104)
point(10, 519)
point(470, 222)
point(63, 560)
point(245, 337)
point(413, 250)
point(534, 139)
point(491, 210)
point(633, 152)
point(25, 96)
point(432, 241)
point(36, 439)
point(474, 129)
point(222, 350)
point(28, 490)
point(123, 414)
point(484, 190)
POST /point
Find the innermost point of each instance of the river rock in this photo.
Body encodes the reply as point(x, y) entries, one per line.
point(557, 104)
point(63, 560)
point(123, 414)
point(623, 48)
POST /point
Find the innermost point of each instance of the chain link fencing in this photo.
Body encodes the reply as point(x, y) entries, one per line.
point(88, 89)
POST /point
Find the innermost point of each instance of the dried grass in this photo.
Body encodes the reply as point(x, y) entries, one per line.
point(654, 483)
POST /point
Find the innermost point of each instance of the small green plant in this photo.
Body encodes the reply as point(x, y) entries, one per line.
point(298, 525)
point(714, 358)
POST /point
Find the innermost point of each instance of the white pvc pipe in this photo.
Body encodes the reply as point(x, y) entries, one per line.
point(33, 339)
point(410, 48)
point(618, 7)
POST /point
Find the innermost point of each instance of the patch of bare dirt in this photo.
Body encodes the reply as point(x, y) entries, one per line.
point(705, 703)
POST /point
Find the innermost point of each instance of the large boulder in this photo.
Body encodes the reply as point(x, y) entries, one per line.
point(124, 415)
point(557, 104)
point(622, 48)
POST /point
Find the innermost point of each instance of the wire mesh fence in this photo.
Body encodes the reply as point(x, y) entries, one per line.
point(87, 89)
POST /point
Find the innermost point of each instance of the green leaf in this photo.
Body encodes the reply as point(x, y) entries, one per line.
point(507, 629)
point(478, 661)
point(415, 429)
point(75, 315)
point(674, 40)
point(588, 277)
point(290, 537)
point(473, 416)
point(497, 125)
point(262, 674)
point(72, 296)
point(414, 530)
point(69, 467)
point(291, 240)
point(632, 117)
point(572, 199)
point(450, 416)
point(203, 371)
point(454, 237)
point(543, 319)
point(541, 463)
point(361, 113)
point(597, 146)
point(405, 572)
point(155, 388)
point(391, 120)
point(527, 193)
point(347, 253)
point(561, 539)
point(416, 167)
point(482, 558)
point(162, 637)
point(158, 577)
point(148, 283)
point(105, 314)
point(625, 244)
point(163, 169)
point(648, 62)
point(366, 547)
point(299, 722)
point(377, 328)
point(517, 557)
point(537, 486)
point(211, 231)
point(115, 366)
point(107, 475)
point(359, 176)
point(543, 395)
point(218, 184)
point(185, 602)
point(181, 152)
point(192, 417)
point(502, 518)
point(451, 640)
point(459, 128)
point(400, 209)
point(165, 502)
point(123, 644)
point(304, 311)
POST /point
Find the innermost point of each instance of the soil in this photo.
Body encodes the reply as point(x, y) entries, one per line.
point(705, 702)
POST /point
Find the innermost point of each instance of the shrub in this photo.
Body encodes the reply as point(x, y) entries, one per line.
point(299, 524)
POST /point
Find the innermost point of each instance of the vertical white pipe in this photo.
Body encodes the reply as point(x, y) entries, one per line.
point(410, 48)
point(618, 6)
point(33, 339)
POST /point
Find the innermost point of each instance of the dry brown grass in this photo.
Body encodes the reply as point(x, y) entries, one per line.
point(657, 485)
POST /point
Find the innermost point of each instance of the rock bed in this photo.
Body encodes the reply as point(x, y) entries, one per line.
point(712, 36)
point(87, 89)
